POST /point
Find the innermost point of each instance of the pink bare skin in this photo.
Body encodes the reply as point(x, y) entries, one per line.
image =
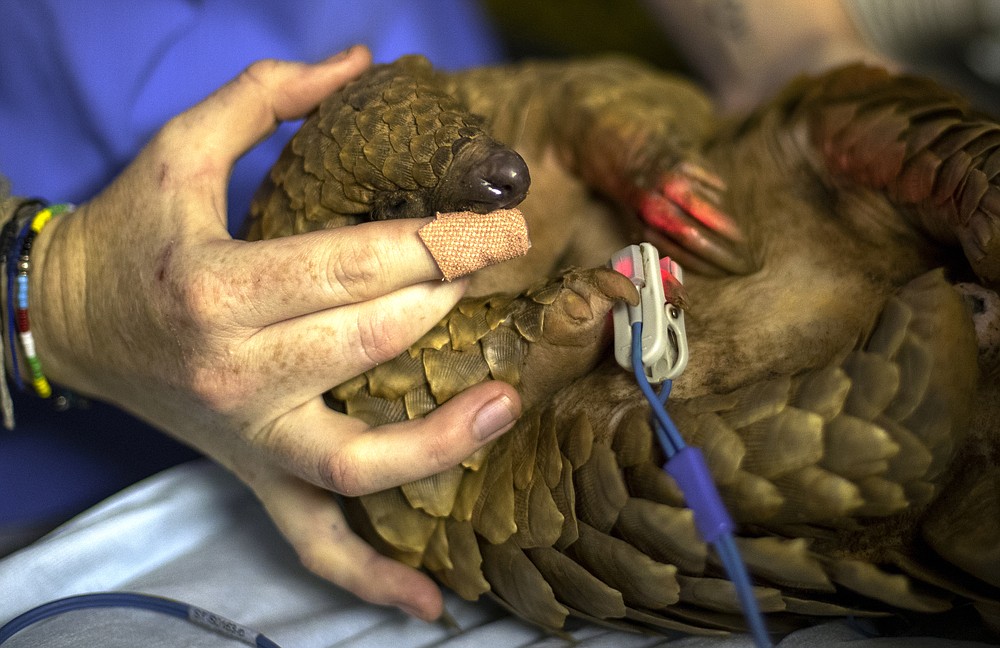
point(141, 298)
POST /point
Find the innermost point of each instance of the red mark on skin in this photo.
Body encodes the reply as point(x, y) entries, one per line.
point(163, 263)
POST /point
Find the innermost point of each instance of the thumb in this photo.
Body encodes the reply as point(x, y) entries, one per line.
point(246, 110)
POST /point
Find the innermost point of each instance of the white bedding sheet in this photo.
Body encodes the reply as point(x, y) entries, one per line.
point(194, 533)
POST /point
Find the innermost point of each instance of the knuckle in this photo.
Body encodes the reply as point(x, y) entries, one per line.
point(260, 73)
point(377, 333)
point(342, 473)
point(211, 369)
point(439, 452)
point(356, 271)
point(198, 296)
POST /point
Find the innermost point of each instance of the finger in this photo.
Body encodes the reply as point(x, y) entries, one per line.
point(248, 108)
point(263, 282)
point(335, 345)
point(345, 455)
point(204, 142)
point(312, 522)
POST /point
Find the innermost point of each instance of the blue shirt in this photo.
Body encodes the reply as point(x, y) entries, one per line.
point(83, 85)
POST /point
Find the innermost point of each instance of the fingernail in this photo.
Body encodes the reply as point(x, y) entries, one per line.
point(413, 612)
point(340, 56)
point(495, 417)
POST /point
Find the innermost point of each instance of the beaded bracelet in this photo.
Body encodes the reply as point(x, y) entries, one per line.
point(7, 236)
point(18, 273)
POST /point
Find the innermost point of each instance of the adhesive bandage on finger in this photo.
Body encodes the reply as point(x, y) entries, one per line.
point(463, 242)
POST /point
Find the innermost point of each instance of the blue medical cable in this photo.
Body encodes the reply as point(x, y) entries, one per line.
point(687, 466)
point(194, 614)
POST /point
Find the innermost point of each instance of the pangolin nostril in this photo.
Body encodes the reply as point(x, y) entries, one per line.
point(502, 179)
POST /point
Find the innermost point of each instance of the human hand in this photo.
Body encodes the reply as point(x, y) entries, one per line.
point(141, 298)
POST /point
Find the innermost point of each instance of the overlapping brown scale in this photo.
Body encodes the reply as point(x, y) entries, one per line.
point(652, 620)
point(575, 587)
point(437, 337)
point(786, 562)
point(812, 494)
point(537, 517)
point(913, 459)
point(467, 330)
point(375, 411)
point(515, 579)
point(493, 511)
point(407, 530)
point(632, 440)
point(665, 533)
point(752, 499)
point(642, 581)
point(720, 595)
point(894, 589)
point(818, 608)
point(882, 497)
point(449, 371)
point(564, 496)
point(550, 464)
point(856, 448)
point(938, 574)
point(715, 620)
point(436, 493)
point(576, 440)
point(788, 441)
point(822, 391)
point(723, 449)
point(391, 380)
point(600, 491)
point(469, 492)
point(464, 575)
point(747, 404)
point(419, 401)
point(649, 481)
point(914, 359)
point(875, 382)
point(529, 322)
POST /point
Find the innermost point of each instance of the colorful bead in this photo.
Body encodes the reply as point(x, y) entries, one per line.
point(19, 268)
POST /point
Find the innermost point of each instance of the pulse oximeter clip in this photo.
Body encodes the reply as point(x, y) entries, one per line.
point(664, 339)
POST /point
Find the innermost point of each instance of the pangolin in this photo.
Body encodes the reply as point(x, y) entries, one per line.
point(840, 245)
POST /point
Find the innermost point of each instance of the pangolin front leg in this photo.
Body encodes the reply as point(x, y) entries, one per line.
point(628, 132)
point(921, 145)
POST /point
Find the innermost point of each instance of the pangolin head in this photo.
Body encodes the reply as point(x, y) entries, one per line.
point(391, 144)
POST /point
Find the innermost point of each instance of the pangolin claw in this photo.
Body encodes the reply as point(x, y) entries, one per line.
point(684, 219)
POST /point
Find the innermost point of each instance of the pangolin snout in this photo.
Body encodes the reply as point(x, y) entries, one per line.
point(484, 176)
point(500, 181)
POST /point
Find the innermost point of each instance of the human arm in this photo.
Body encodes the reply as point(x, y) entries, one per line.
point(748, 49)
point(142, 299)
